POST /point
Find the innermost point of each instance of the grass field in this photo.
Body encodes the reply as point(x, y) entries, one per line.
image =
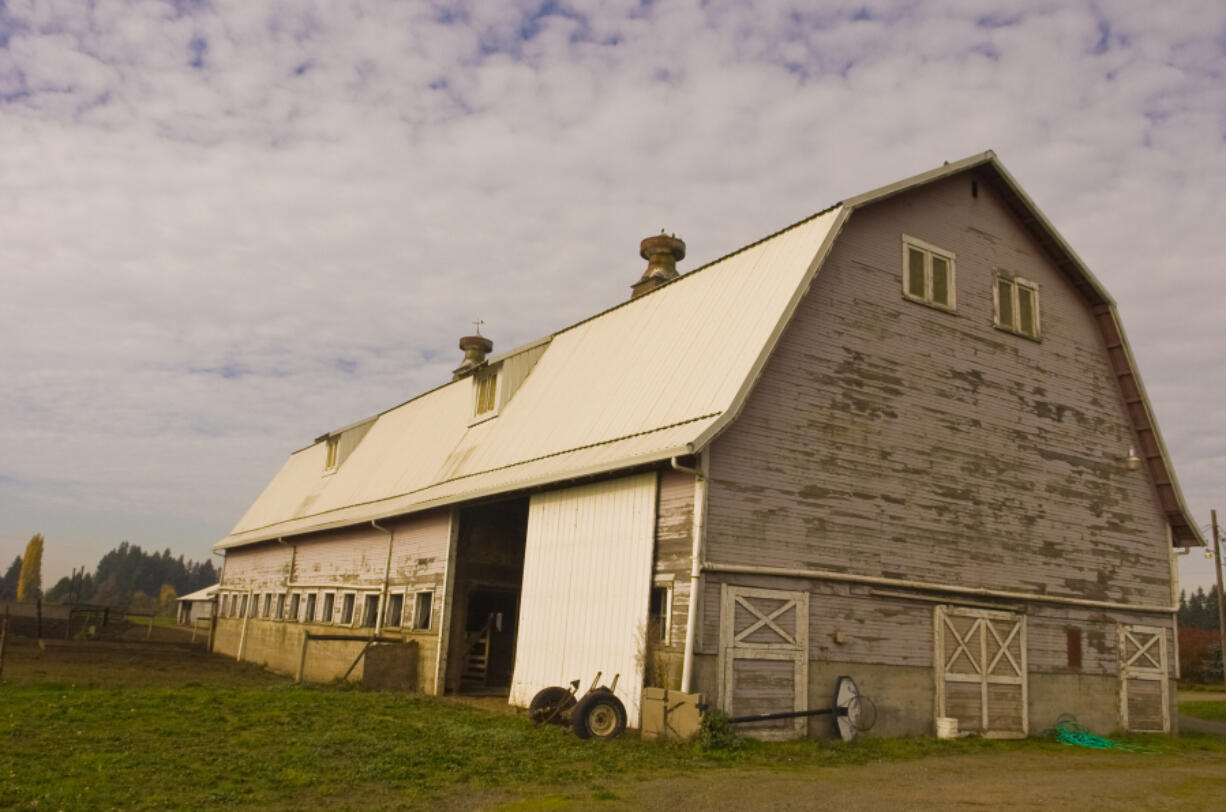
point(1213, 711)
point(157, 726)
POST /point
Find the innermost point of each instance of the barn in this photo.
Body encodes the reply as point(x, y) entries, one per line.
point(903, 439)
point(197, 605)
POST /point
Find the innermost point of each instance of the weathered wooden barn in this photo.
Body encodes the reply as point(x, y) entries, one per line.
point(903, 439)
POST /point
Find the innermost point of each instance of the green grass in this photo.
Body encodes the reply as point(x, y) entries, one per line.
point(149, 726)
point(285, 746)
point(1213, 711)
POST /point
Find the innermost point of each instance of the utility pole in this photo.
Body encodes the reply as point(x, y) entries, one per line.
point(1221, 599)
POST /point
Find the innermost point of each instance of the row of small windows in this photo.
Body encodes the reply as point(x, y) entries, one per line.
point(929, 277)
point(329, 607)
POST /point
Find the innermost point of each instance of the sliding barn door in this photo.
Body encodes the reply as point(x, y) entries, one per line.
point(1143, 679)
point(980, 661)
point(764, 658)
point(587, 583)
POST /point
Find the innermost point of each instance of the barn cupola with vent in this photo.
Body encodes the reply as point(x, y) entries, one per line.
point(662, 252)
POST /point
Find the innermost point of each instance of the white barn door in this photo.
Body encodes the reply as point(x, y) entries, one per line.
point(587, 584)
point(1144, 692)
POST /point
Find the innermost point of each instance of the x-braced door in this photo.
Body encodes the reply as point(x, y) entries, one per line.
point(764, 657)
point(980, 661)
point(1144, 691)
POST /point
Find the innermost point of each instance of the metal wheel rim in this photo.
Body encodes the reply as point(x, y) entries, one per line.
point(602, 720)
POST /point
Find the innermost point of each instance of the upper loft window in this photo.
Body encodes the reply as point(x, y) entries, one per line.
point(485, 393)
point(332, 453)
point(928, 274)
point(1017, 306)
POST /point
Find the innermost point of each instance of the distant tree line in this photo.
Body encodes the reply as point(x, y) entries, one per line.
point(1200, 647)
point(1198, 610)
point(24, 579)
point(128, 576)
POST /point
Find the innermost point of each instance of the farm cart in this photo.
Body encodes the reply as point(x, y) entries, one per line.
point(598, 714)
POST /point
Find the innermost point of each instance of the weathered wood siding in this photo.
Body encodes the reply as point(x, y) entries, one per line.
point(674, 548)
point(354, 557)
point(893, 439)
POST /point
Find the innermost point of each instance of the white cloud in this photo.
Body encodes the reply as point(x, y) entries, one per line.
point(228, 226)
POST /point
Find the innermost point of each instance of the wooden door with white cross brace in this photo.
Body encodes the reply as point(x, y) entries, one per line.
point(1144, 690)
point(980, 665)
point(764, 657)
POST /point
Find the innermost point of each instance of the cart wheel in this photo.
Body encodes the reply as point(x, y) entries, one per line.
point(599, 715)
point(549, 703)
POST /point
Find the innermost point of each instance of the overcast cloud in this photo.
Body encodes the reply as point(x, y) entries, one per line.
point(226, 227)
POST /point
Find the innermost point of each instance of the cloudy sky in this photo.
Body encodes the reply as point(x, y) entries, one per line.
point(226, 227)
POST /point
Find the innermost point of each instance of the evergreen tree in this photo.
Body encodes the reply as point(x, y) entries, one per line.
point(8, 585)
point(30, 582)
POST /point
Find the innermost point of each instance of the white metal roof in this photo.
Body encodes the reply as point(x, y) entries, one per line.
point(654, 377)
point(200, 594)
point(635, 384)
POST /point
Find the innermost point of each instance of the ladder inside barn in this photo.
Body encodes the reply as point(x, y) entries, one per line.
point(477, 660)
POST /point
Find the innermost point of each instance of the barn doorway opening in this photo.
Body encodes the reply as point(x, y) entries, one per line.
point(489, 574)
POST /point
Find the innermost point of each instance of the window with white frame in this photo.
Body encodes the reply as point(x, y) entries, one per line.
point(329, 605)
point(422, 610)
point(370, 611)
point(293, 608)
point(1017, 305)
point(310, 608)
point(395, 610)
point(281, 606)
point(347, 609)
point(659, 611)
point(928, 274)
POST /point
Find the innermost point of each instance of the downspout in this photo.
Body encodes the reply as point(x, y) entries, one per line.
point(289, 575)
point(242, 638)
point(387, 575)
point(698, 531)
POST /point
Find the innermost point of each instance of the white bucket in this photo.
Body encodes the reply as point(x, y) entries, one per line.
point(947, 727)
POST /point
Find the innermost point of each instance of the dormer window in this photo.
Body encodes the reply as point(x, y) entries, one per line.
point(485, 392)
point(928, 274)
point(330, 456)
point(339, 444)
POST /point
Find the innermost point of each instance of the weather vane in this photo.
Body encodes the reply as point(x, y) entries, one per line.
point(478, 323)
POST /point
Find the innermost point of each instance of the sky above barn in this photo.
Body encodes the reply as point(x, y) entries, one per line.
point(226, 227)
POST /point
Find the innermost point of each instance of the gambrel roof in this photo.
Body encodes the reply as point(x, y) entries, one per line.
point(652, 378)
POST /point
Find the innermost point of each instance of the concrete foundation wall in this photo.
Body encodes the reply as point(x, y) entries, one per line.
point(885, 643)
point(278, 647)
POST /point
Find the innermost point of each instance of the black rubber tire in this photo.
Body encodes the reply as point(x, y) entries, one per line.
point(599, 715)
point(549, 704)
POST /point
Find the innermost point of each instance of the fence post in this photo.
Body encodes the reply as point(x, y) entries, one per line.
point(302, 657)
point(4, 633)
point(38, 610)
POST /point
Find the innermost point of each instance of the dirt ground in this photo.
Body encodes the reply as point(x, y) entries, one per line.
point(1079, 780)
